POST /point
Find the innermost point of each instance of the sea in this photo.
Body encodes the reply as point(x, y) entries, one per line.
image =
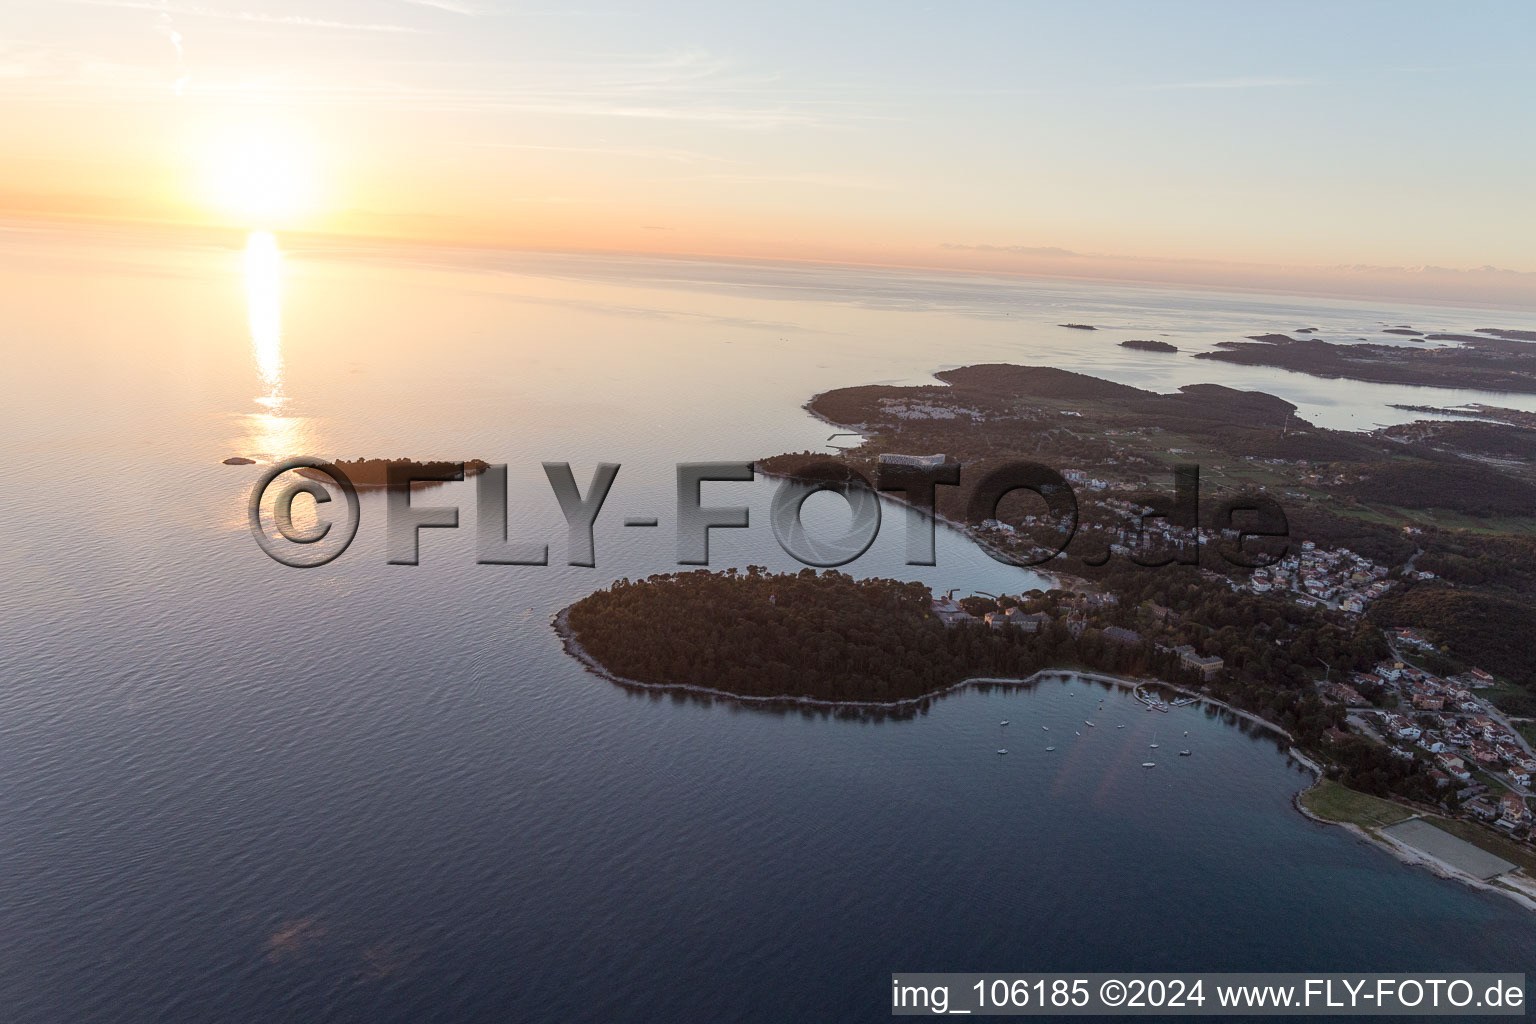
point(235, 790)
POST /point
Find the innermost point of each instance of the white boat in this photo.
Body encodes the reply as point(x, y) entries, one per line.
point(1119, 727)
point(1002, 750)
point(1046, 728)
point(1005, 722)
point(1087, 723)
point(1184, 753)
point(1050, 748)
point(1149, 764)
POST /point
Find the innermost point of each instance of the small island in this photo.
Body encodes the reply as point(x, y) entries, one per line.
point(368, 474)
point(1079, 327)
point(1149, 345)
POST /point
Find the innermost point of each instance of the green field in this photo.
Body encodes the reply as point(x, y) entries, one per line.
point(1496, 788)
point(1498, 691)
point(1392, 515)
point(1335, 802)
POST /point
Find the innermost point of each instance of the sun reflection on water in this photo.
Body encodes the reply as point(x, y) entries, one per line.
point(271, 433)
point(264, 301)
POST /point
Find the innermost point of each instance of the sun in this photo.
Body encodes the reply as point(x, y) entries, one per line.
point(264, 180)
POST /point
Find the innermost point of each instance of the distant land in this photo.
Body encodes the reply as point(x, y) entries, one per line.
point(1147, 345)
point(1387, 636)
point(1079, 327)
point(1454, 499)
point(1491, 359)
point(1477, 410)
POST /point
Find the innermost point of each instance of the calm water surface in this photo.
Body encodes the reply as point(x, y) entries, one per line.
point(235, 791)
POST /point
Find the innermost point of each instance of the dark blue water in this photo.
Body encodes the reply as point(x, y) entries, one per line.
point(239, 792)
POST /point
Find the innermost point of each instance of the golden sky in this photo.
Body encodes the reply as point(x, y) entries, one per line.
point(1360, 148)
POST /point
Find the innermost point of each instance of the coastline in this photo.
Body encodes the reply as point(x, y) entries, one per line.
point(1525, 894)
point(1057, 579)
point(1412, 856)
point(560, 623)
point(1054, 577)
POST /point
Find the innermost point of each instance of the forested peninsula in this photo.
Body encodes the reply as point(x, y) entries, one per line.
point(824, 637)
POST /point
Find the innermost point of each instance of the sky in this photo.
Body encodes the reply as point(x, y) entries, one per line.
point(1347, 147)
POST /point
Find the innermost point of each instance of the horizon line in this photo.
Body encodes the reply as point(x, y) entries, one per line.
point(406, 241)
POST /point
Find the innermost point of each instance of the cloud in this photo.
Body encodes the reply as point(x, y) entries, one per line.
point(33, 65)
point(1017, 250)
point(1425, 283)
point(168, 29)
point(684, 156)
point(773, 178)
point(1429, 270)
point(253, 17)
point(689, 87)
point(1234, 83)
point(451, 6)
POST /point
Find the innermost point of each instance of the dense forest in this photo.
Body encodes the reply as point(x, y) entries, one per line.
point(829, 637)
point(1489, 631)
point(1438, 481)
point(823, 636)
point(1273, 648)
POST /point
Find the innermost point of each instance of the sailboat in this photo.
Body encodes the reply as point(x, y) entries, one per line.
point(1153, 744)
point(1001, 750)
